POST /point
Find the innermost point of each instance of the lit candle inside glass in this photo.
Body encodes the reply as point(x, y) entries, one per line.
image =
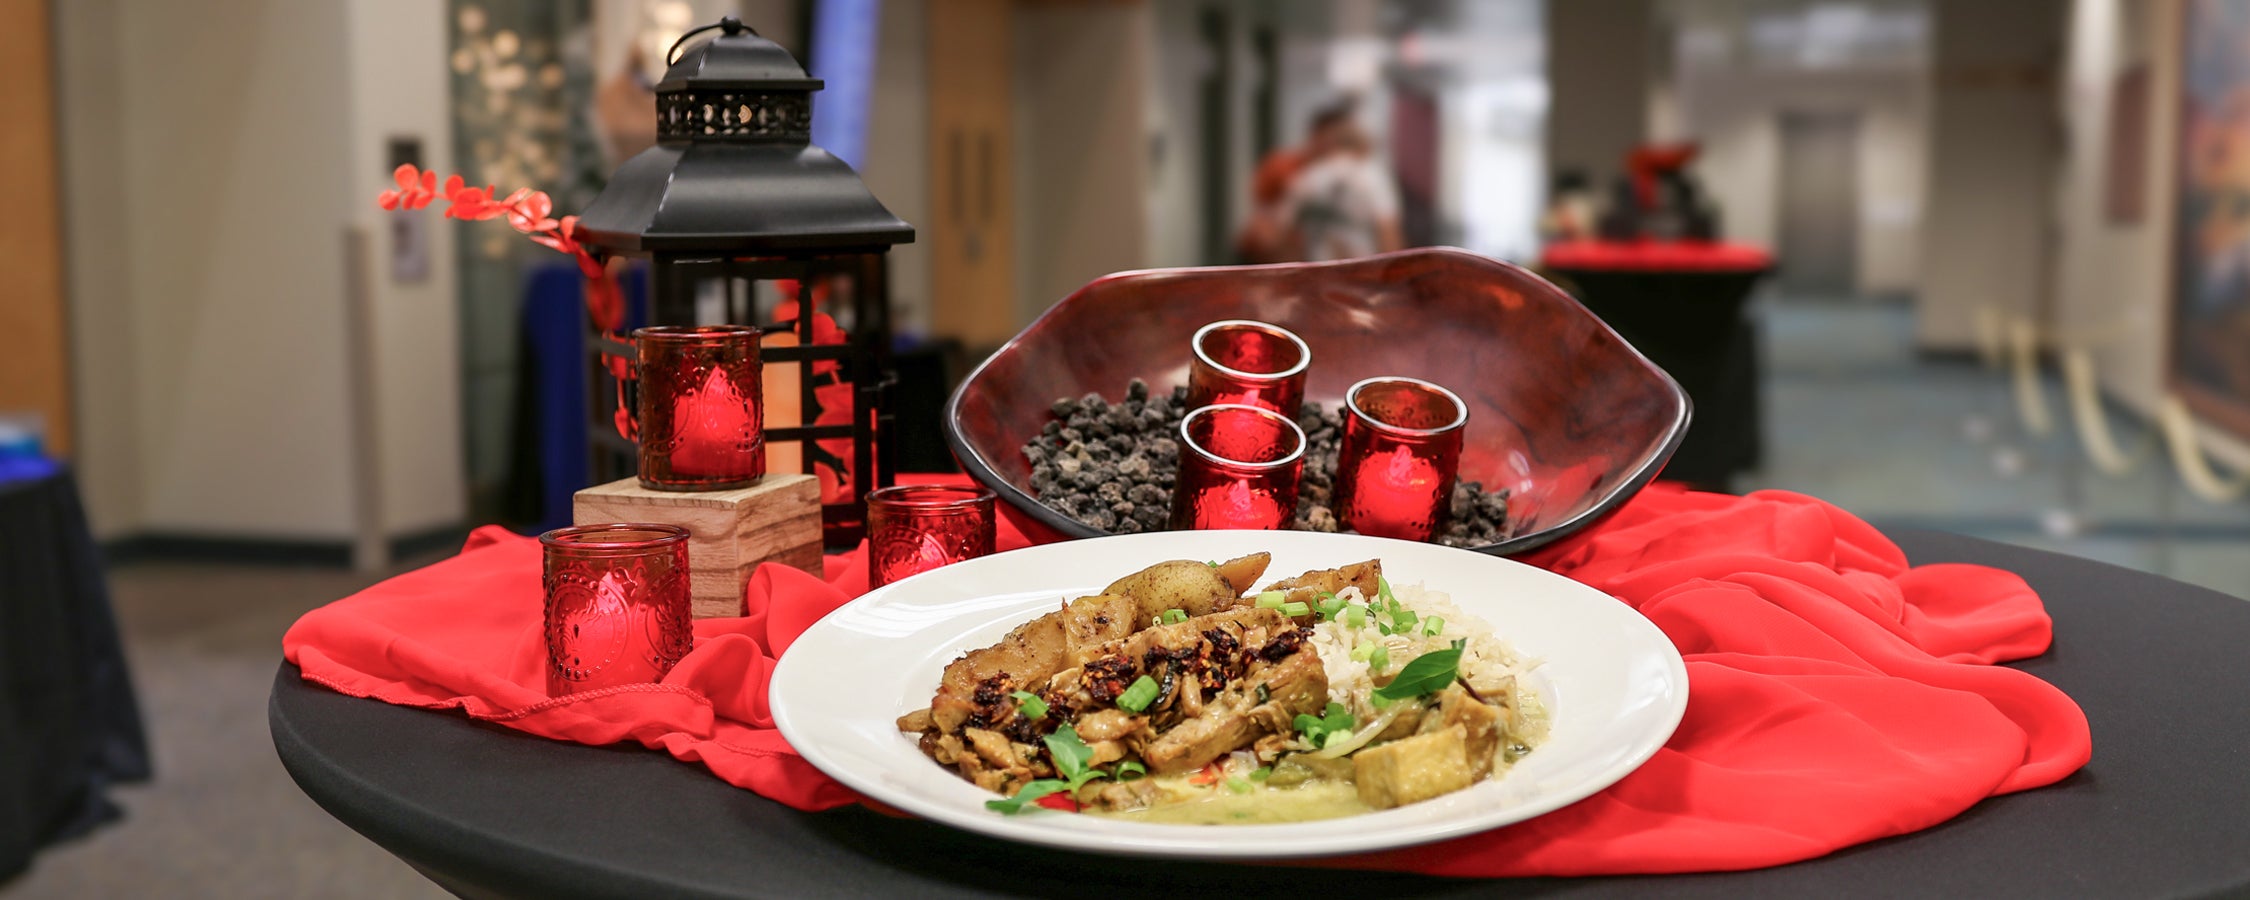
point(1239, 468)
point(1400, 455)
point(1245, 362)
point(616, 608)
point(715, 429)
point(701, 394)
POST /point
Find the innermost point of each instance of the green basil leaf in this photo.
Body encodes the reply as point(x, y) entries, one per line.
point(1426, 674)
point(1026, 796)
point(1030, 705)
point(1069, 751)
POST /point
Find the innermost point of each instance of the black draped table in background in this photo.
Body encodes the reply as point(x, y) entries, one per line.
point(2163, 809)
point(1684, 304)
point(69, 724)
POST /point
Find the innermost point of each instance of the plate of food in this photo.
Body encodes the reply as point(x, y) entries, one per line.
point(1230, 694)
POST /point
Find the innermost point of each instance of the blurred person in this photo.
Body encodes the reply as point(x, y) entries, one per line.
point(1571, 213)
point(1269, 234)
point(1342, 204)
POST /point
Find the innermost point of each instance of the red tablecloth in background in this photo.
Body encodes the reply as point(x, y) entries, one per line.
point(1836, 695)
point(1656, 256)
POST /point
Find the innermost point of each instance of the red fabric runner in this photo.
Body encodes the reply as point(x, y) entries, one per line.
point(1836, 696)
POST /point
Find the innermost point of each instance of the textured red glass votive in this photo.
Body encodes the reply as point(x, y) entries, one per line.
point(617, 605)
point(1239, 361)
point(1239, 467)
point(913, 528)
point(1400, 455)
point(702, 401)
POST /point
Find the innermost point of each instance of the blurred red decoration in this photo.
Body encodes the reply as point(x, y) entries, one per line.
point(1239, 467)
point(702, 406)
point(1238, 361)
point(1400, 456)
point(617, 605)
point(1649, 162)
point(914, 528)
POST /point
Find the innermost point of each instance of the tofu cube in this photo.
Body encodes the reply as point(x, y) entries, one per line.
point(1414, 769)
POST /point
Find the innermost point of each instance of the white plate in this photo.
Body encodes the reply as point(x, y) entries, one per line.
point(1614, 684)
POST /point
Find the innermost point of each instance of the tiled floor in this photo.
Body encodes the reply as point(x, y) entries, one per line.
point(1854, 418)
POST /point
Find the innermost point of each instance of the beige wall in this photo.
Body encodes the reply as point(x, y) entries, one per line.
point(216, 155)
point(399, 89)
point(1080, 146)
point(1599, 78)
point(1985, 240)
point(97, 281)
point(1736, 115)
point(897, 164)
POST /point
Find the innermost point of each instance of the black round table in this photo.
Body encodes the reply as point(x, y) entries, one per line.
point(2163, 809)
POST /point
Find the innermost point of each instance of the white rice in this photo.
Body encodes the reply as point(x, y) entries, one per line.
point(1487, 662)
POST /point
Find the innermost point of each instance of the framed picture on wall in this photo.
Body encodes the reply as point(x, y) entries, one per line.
point(2210, 316)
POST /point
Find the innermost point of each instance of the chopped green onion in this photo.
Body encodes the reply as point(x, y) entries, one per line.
point(1132, 768)
point(1030, 705)
point(1271, 599)
point(1138, 695)
point(1377, 700)
point(1383, 590)
point(1362, 651)
point(1240, 786)
point(1174, 616)
point(1212, 563)
point(1402, 620)
point(1379, 659)
point(1355, 615)
point(1433, 625)
point(1330, 607)
point(1295, 608)
point(1332, 722)
point(1261, 773)
point(1265, 694)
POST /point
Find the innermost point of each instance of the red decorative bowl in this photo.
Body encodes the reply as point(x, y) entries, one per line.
point(1562, 412)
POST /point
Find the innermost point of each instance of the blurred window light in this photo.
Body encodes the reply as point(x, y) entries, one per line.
point(1836, 34)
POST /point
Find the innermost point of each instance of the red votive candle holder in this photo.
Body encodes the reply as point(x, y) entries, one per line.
point(1400, 455)
point(1239, 466)
point(913, 528)
point(617, 605)
point(701, 423)
point(1239, 361)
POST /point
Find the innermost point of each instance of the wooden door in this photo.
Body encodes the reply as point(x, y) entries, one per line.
point(972, 172)
point(35, 371)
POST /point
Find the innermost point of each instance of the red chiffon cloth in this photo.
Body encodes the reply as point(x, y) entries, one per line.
point(1836, 695)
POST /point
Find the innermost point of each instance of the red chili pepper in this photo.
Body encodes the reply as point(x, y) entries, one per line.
point(1059, 801)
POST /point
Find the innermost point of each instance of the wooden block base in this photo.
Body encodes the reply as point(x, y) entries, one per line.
point(729, 532)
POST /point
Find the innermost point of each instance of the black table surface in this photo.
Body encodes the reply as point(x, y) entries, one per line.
point(2162, 810)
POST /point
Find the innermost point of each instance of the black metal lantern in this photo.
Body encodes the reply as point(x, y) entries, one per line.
point(734, 192)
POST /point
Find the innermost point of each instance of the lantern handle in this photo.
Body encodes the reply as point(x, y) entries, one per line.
point(731, 24)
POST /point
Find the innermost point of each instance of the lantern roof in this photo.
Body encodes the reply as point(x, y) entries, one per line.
point(734, 169)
